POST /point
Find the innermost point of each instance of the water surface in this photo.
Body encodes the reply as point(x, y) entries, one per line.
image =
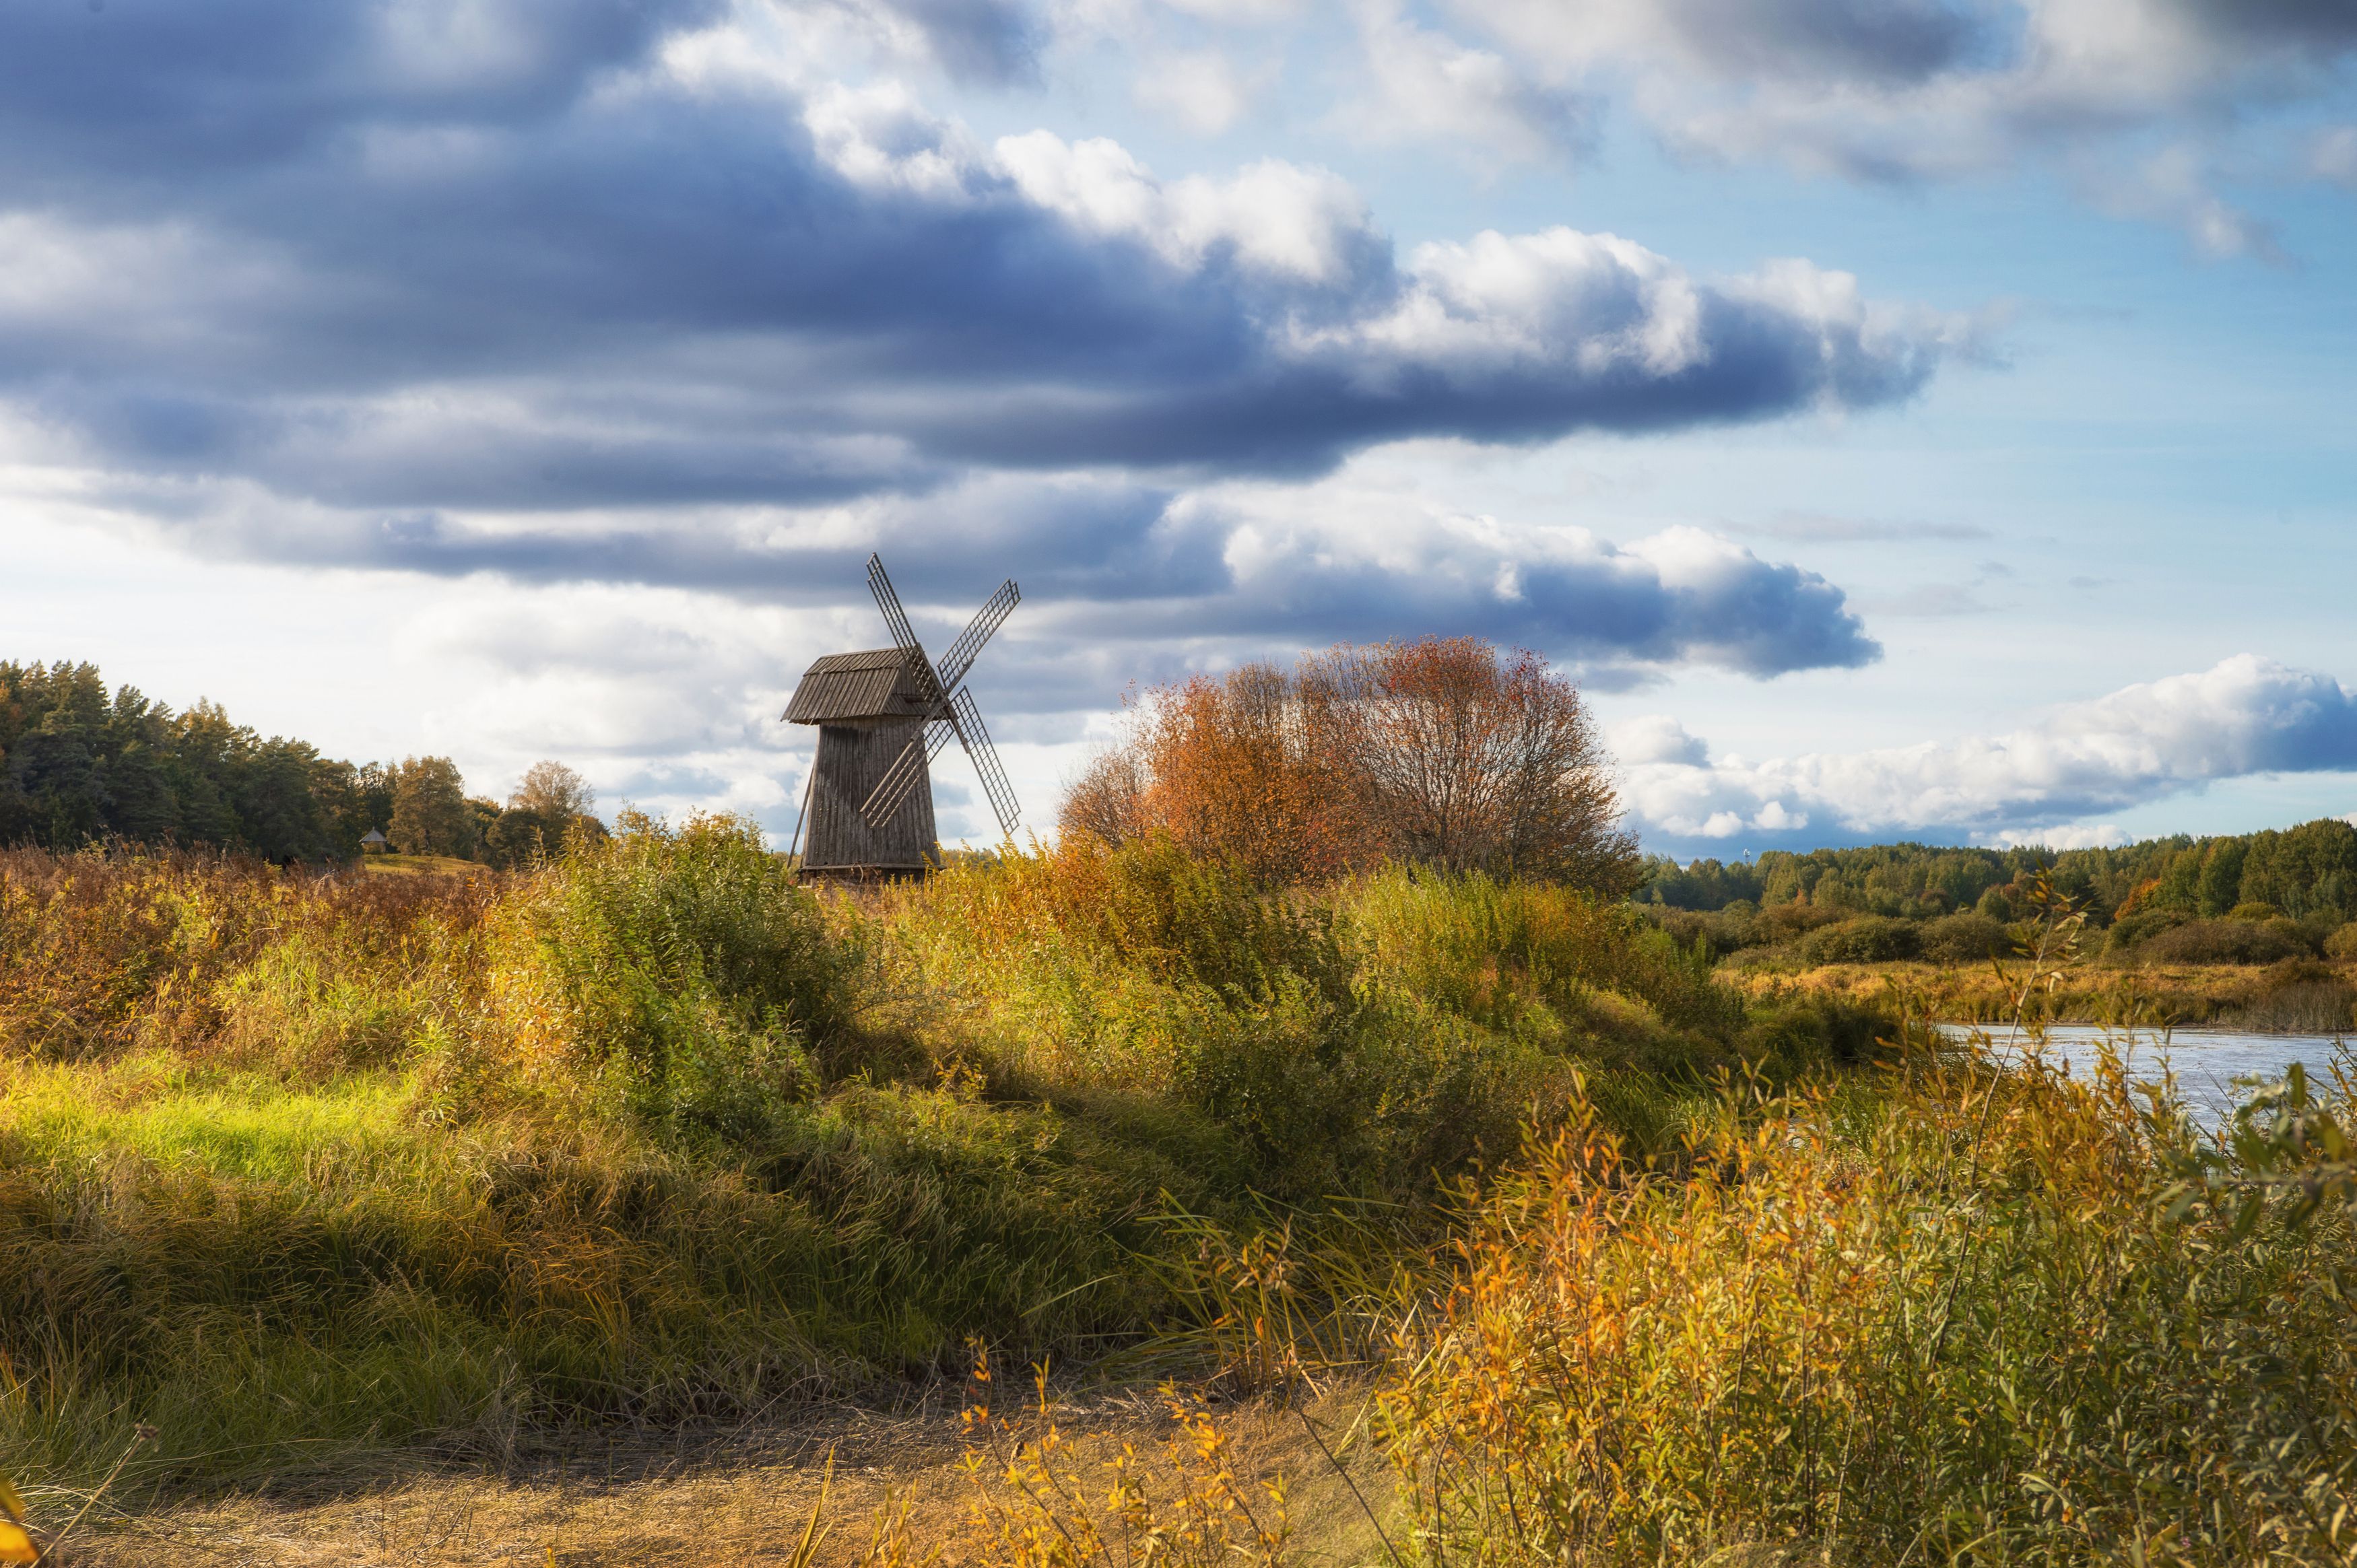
point(2206, 1061)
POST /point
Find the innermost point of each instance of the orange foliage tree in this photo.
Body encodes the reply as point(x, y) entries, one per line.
point(1247, 766)
point(1442, 752)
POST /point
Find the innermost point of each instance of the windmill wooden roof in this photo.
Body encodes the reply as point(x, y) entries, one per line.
point(871, 685)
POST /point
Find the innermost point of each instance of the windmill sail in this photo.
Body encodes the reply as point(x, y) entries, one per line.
point(961, 656)
point(976, 741)
point(952, 708)
point(897, 619)
point(908, 771)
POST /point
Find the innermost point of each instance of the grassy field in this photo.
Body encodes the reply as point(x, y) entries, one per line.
point(445, 1183)
point(295, 1166)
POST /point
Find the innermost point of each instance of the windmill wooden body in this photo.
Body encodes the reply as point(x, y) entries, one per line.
point(882, 715)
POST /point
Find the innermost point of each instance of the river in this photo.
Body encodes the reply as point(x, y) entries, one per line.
point(2207, 1061)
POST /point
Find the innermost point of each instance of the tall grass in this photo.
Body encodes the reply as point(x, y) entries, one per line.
point(295, 1168)
point(1838, 1336)
point(290, 1166)
point(1957, 1316)
point(1537, 957)
point(104, 954)
point(1366, 1040)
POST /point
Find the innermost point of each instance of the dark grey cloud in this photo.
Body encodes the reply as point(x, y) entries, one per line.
point(2326, 24)
point(1096, 541)
point(2168, 53)
point(1113, 564)
point(2153, 109)
point(1891, 42)
point(1755, 617)
point(415, 257)
point(494, 287)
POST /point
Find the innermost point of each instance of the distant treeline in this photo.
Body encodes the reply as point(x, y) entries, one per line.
point(2307, 873)
point(79, 765)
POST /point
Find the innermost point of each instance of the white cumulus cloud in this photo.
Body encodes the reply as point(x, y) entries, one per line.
point(2245, 715)
point(1278, 217)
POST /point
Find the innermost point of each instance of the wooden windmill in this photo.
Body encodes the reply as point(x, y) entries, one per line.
point(882, 715)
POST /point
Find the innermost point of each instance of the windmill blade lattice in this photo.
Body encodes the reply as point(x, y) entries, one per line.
point(987, 621)
point(952, 709)
point(920, 668)
point(976, 740)
point(908, 771)
point(910, 768)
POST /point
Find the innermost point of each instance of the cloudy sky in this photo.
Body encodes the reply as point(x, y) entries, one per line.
point(1922, 417)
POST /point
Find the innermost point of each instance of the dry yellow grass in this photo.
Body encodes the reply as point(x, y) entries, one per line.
point(744, 1497)
point(2092, 994)
point(422, 866)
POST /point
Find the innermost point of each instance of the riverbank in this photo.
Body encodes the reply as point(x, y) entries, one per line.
point(2302, 996)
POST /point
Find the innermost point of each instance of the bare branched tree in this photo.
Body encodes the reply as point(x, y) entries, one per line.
point(1108, 799)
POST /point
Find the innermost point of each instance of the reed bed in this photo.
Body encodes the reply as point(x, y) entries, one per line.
point(1971, 1317)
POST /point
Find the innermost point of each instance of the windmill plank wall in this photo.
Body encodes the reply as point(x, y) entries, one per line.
point(851, 759)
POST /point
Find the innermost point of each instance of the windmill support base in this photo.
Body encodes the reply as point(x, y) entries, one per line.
point(864, 875)
point(852, 756)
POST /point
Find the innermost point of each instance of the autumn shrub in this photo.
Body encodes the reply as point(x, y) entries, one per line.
point(1792, 1038)
point(1783, 922)
point(1715, 932)
point(1249, 768)
point(1442, 752)
point(2224, 941)
point(1093, 975)
point(680, 972)
point(1091, 966)
point(1963, 938)
point(2123, 935)
point(290, 1166)
point(1492, 950)
point(1864, 939)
